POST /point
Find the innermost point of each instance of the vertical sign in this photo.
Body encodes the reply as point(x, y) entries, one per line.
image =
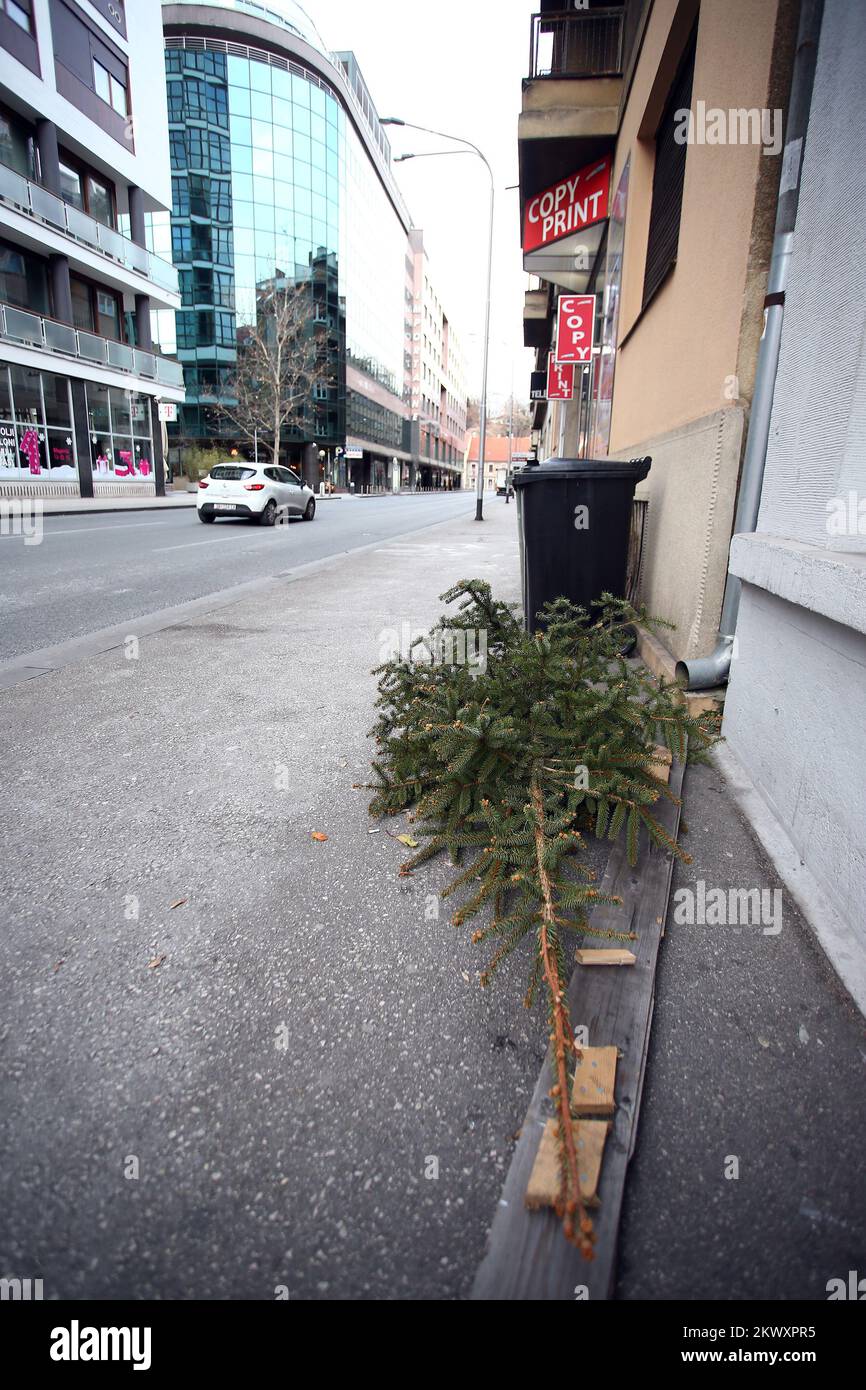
point(560, 380)
point(575, 324)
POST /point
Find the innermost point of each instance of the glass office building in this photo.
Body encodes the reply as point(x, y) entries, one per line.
point(281, 177)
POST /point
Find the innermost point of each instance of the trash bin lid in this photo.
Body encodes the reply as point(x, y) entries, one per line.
point(552, 470)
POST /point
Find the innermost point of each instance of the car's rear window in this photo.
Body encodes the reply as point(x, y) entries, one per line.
point(231, 473)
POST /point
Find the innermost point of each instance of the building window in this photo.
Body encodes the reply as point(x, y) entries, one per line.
point(668, 179)
point(23, 279)
point(95, 309)
point(20, 12)
point(17, 145)
point(110, 88)
point(89, 192)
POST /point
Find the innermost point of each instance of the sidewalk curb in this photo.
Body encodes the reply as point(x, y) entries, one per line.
point(838, 942)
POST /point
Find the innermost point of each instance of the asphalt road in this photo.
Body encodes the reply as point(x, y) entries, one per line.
point(91, 572)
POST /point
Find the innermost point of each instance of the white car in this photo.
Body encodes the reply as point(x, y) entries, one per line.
point(261, 492)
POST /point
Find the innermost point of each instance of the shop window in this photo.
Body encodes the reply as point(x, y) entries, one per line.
point(121, 441)
point(26, 395)
point(27, 448)
point(55, 391)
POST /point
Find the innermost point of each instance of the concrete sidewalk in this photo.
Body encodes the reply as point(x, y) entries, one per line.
point(231, 1053)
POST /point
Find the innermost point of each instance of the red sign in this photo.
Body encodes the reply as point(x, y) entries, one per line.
point(568, 206)
point(575, 324)
point(560, 380)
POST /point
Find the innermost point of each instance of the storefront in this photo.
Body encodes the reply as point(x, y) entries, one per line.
point(40, 437)
point(119, 427)
point(37, 440)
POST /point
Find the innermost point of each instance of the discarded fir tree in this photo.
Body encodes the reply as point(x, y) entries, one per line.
point(506, 755)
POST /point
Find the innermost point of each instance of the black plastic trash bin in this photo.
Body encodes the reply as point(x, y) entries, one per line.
point(574, 517)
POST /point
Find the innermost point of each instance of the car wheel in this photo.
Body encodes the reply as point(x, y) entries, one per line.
point(206, 516)
point(268, 515)
point(311, 509)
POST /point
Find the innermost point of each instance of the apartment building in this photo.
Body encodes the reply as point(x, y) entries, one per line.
point(650, 144)
point(437, 377)
point(83, 167)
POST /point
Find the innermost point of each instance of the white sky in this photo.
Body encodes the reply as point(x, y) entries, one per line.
point(455, 65)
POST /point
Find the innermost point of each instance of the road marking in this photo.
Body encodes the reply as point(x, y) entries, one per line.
point(81, 530)
point(215, 540)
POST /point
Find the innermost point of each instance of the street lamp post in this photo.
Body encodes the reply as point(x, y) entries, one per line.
point(482, 432)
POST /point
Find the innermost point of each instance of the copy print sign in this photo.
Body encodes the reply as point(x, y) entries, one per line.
point(575, 323)
point(560, 380)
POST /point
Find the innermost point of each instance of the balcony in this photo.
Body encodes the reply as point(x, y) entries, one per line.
point(50, 336)
point(571, 96)
point(536, 330)
point(35, 201)
point(585, 43)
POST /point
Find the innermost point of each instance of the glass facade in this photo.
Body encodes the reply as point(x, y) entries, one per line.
point(273, 185)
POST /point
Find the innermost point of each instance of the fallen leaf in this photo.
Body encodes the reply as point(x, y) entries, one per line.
point(407, 840)
point(317, 835)
point(156, 962)
point(179, 902)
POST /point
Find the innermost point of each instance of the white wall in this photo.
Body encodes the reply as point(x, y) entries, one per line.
point(796, 709)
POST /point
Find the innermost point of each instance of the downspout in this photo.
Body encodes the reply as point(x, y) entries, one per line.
point(707, 671)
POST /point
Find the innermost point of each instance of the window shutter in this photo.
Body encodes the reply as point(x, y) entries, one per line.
point(670, 170)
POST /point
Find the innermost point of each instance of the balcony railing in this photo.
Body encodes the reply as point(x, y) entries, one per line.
point(32, 198)
point(584, 43)
point(49, 335)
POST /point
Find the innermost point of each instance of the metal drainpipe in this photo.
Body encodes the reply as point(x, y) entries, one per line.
point(707, 671)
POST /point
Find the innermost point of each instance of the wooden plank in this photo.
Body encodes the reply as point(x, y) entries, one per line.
point(592, 1091)
point(543, 1187)
point(527, 1255)
point(662, 769)
point(604, 955)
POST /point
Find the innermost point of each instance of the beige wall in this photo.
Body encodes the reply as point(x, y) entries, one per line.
point(682, 358)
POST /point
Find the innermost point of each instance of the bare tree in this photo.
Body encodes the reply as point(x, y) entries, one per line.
point(283, 366)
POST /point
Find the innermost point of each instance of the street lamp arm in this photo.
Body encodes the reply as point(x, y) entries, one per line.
point(442, 135)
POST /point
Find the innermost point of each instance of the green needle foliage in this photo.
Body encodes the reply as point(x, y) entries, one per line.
point(507, 764)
